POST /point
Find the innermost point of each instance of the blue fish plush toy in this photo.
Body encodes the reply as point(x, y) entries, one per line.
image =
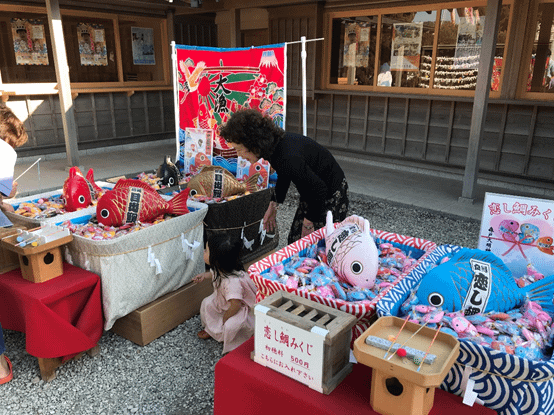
point(477, 281)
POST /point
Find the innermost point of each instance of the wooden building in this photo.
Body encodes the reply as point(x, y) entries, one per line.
point(462, 87)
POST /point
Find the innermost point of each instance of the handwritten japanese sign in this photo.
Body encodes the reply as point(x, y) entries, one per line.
point(519, 230)
point(290, 350)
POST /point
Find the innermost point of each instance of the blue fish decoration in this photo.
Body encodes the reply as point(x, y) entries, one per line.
point(478, 281)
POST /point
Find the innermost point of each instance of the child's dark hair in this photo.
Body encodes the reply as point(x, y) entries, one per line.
point(224, 255)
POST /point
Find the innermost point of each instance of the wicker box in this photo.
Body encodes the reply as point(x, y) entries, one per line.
point(364, 311)
point(304, 340)
point(506, 383)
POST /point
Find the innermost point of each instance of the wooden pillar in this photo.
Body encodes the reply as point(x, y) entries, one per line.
point(62, 77)
point(481, 100)
point(234, 28)
point(170, 14)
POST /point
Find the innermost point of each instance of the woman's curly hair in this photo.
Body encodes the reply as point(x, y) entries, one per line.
point(255, 131)
point(12, 130)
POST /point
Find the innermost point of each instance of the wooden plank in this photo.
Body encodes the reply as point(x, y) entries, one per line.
point(53, 116)
point(530, 140)
point(385, 116)
point(366, 112)
point(146, 115)
point(450, 129)
point(426, 132)
point(130, 115)
point(405, 129)
point(94, 117)
point(298, 310)
point(162, 111)
point(347, 132)
point(31, 122)
point(286, 306)
point(310, 315)
point(112, 112)
point(500, 141)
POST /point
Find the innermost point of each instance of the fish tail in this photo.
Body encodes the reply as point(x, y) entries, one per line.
point(542, 292)
point(90, 178)
point(178, 205)
point(252, 183)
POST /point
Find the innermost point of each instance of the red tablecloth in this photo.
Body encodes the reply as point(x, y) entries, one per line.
point(60, 317)
point(244, 387)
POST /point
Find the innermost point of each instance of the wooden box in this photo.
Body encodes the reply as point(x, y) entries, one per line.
point(39, 263)
point(156, 318)
point(9, 259)
point(397, 388)
point(304, 340)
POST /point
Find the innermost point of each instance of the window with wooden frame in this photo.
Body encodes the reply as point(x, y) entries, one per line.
point(538, 80)
point(424, 49)
point(103, 51)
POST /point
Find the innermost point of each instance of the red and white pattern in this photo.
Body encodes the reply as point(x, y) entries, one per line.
point(362, 310)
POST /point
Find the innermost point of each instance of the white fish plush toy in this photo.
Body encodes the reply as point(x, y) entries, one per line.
point(351, 251)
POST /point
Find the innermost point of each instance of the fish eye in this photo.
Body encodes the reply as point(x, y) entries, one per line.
point(258, 168)
point(171, 181)
point(356, 267)
point(193, 192)
point(435, 299)
point(81, 199)
point(105, 213)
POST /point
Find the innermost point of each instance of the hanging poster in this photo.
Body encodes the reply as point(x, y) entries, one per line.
point(351, 37)
point(520, 231)
point(214, 82)
point(92, 44)
point(143, 46)
point(29, 42)
point(470, 35)
point(245, 169)
point(198, 148)
point(362, 56)
point(406, 46)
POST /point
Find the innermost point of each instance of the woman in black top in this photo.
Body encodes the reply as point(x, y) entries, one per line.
point(311, 167)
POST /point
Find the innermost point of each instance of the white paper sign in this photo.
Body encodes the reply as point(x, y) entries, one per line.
point(289, 350)
point(519, 230)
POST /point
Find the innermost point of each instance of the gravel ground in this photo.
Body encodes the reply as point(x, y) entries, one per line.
point(174, 375)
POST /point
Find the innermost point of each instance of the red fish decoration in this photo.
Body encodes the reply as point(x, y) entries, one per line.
point(135, 201)
point(79, 191)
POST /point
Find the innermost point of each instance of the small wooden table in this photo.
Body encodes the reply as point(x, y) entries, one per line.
point(62, 317)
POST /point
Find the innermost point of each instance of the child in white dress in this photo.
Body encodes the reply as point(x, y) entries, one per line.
point(227, 314)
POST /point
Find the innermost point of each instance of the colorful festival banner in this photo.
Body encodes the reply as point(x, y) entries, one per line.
point(29, 42)
point(214, 82)
point(519, 230)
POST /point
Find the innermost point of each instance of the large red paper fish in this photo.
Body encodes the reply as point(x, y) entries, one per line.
point(79, 191)
point(135, 201)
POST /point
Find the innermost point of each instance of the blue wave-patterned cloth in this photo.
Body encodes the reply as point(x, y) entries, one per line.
point(509, 384)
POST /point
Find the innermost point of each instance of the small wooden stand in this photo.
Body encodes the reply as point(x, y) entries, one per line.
point(9, 259)
point(154, 319)
point(39, 263)
point(396, 386)
point(48, 366)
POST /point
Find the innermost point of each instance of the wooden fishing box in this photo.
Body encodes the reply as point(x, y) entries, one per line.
point(397, 387)
point(304, 340)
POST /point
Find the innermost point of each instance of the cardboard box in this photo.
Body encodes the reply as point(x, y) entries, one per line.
point(397, 388)
point(364, 311)
point(304, 340)
point(507, 383)
point(152, 320)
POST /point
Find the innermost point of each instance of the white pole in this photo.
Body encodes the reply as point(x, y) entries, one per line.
point(175, 97)
point(304, 117)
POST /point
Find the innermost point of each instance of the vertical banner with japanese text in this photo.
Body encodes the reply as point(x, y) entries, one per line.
point(290, 350)
point(519, 230)
point(215, 82)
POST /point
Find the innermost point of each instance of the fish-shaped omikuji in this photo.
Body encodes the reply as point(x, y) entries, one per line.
point(351, 251)
point(79, 191)
point(168, 173)
point(477, 281)
point(544, 243)
point(135, 201)
point(214, 181)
